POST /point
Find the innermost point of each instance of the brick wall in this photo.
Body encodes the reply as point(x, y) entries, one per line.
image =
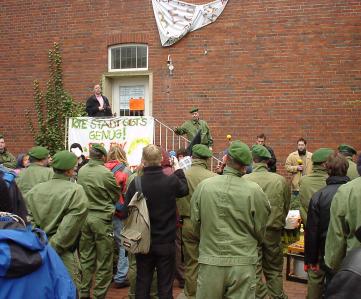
point(285, 68)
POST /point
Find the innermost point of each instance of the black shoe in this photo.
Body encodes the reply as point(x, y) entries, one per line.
point(120, 285)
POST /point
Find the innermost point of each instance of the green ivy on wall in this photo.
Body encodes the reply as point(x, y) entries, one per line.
point(53, 108)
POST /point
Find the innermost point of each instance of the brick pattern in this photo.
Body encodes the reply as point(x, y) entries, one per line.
point(286, 68)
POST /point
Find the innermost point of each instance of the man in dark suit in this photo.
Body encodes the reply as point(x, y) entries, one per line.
point(97, 105)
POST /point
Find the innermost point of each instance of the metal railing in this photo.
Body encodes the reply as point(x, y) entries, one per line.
point(165, 137)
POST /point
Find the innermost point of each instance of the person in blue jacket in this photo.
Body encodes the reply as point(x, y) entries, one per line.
point(29, 266)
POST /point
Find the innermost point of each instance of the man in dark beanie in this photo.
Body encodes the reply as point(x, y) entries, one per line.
point(59, 207)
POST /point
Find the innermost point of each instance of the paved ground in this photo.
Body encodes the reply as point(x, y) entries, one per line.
point(294, 290)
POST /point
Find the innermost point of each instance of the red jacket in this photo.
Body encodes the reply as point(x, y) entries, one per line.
point(121, 177)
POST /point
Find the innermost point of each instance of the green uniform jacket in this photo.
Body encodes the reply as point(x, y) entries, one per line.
point(231, 214)
point(277, 191)
point(352, 172)
point(100, 187)
point(196, 174)
point(8, 160)
point(345, 219)
point(33, 175)
point(59, 207)
point(309, 185)
point(191, 127)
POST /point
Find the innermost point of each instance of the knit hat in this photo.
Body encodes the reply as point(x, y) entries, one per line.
point(240, 152)
point(321, 155)
point(348, 149)
point(261, 151)
point(201, 151)
point(64, 160)
point(99, 148)
point(39, 152)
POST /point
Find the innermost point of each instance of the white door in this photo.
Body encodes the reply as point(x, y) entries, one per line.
point(126, 88)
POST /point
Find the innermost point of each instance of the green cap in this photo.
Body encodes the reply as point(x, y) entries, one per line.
point(201, 151)
point(321, 155)
point(64, 160)
point(240, 152)
point(194, 109)
point(345, 148)
point(38, 152)
point(99, 148)
point(1, 136)
point(261, 151)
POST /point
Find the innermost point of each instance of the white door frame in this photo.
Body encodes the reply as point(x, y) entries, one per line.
point(111, 78)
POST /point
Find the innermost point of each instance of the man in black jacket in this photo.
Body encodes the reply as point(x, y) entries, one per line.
point(97, 105)
point(318, 218)
point(161, 192)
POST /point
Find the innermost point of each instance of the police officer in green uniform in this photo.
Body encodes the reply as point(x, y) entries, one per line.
point(191, 128)
point(309, 185)
point(345, 219)
point(348, 151)
point(196, 174)
point(316, 180)
point(230, 213)
point(96, 242)
point(6, 158)
point(59, 207)
point(37, 172)
point(270, 251)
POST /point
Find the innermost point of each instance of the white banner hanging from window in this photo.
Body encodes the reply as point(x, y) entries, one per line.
point(176, 18)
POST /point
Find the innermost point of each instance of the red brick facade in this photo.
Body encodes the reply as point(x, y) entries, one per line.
point(285, 68)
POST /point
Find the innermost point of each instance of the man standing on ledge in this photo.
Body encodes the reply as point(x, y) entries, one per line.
point(191, 128)
point(97, 105)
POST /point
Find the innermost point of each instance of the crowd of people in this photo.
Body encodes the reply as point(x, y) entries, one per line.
point(220, 233)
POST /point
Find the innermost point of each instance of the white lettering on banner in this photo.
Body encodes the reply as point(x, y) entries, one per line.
point(132, 133)
point(176, 18)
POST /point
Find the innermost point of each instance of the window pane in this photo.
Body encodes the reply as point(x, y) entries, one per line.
point(128, 57)
point(115, 58)
point(141, 57)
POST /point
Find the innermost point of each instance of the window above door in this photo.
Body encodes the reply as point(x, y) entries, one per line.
point(128, 57)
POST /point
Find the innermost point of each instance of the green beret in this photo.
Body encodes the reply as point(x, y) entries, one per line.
point(345, 148)
point(201, 151)
point(194, 109)
point(64, 160)
point(99, 148)
point(240, 152)
point(38, 152)
point(261, 151)
point(321, 155)
point(1, 136)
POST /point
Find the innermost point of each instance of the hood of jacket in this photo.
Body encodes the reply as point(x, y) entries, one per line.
point(22, 251)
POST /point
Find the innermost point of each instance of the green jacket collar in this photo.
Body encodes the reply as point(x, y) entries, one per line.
point(34, 164)
point(231, 171)
point(60, 176)
point(200, 163)
point(318, 169)
point(93, 162)
point(260, 167)
point(195, 122)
